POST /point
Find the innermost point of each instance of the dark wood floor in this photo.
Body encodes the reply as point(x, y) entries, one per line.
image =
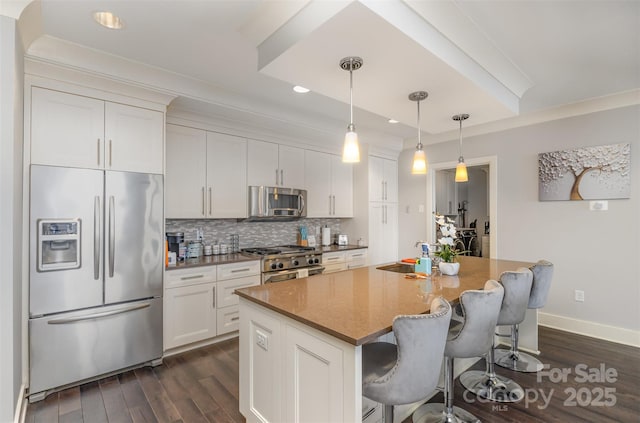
point(202, 386)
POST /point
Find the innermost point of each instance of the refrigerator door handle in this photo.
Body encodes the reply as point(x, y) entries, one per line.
point(98, 315)
point(96, 238)
point(112, 235)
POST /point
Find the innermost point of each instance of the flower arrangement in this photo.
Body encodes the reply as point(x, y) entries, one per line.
point(447, 251)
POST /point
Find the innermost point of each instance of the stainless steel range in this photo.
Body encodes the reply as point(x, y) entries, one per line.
point(286, 262)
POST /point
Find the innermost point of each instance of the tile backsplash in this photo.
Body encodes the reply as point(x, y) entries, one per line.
point(252, 234)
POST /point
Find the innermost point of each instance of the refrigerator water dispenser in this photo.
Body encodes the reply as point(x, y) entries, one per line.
point(58, 244)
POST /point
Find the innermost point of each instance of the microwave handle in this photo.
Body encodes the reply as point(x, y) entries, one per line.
point(301, 208)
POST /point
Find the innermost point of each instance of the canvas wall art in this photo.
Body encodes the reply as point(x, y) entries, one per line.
point(588, 173)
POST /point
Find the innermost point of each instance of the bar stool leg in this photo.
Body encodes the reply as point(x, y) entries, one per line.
point(517, 360)
point(447, 412)
point(491, 386)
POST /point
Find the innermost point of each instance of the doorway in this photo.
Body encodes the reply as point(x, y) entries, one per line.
point(474, 202)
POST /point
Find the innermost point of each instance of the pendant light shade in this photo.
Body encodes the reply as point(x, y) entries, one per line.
point(461, 168)
point(351, 149)
point(419, 166)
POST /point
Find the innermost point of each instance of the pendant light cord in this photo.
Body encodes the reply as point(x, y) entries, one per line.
point(351, 92)
point(419, 140)
point(460, 121)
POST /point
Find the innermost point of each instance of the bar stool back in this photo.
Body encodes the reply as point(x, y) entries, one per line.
point(472, 338)
point(486, 384)
point(408, 372)
point(513, 358)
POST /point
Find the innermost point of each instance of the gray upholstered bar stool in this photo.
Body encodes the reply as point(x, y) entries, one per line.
point(471, 339)
point(408, 372)
point(486, 384)
point(518, 360)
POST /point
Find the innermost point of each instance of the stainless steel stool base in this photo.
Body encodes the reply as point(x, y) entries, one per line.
point(517, 361)
point(496, 388)
point(435, 413)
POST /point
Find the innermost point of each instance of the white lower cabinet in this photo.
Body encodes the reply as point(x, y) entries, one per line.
point(334, 261)
point(356, 258)
point(199, 303)
point(190, 314)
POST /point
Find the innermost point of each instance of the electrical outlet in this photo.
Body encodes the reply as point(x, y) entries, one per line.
point(262, 340)
point(199, 234)
point(599, 205)
point(579, 296)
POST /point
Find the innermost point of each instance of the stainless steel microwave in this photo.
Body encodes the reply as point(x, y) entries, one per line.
point(276, 203)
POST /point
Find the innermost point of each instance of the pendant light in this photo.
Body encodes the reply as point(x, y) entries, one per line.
point(351, 149)
point(461, 168)
point(419, 166)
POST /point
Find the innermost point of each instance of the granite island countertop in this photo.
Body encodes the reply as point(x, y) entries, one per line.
point(359, 305)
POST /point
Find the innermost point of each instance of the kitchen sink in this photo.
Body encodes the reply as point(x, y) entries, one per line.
point(398, 268)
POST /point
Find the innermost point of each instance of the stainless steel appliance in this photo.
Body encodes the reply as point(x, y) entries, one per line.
point(287, 262)
point(274, 203)
point(95, 277)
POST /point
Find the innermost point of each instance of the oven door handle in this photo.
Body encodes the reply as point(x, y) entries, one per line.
point(286, 275)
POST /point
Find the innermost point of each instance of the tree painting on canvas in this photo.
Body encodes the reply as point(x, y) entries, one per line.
point(588, 173)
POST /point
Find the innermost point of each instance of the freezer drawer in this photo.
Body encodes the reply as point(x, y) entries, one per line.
point(70, 347)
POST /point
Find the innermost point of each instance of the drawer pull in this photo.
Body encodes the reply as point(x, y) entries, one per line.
point(233, 319)
point(245, 269)
point(187, 278)
point(357, 255)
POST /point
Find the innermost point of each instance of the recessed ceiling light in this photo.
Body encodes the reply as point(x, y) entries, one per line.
point(393, 121)
point(108, 20)
point(301, 90)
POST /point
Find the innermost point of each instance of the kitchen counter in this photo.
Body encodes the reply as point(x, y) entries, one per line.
point(212, 260)
point(359, 305)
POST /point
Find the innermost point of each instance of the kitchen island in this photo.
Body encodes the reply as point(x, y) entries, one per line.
point(300, 341)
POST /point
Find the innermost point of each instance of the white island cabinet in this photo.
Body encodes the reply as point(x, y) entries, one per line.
point(295, 373)
point(77, 131)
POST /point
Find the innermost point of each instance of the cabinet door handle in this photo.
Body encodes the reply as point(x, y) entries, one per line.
point(98, 149)
point(281, 177)
point(276, 177)
point(110, 153)
point(334, 205)
point(186, 278)
point(210, 199)
point(214, 297)
point(203, 201)
point(382, 193)
point(329, 205)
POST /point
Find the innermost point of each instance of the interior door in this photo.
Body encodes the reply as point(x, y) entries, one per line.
point(134, 242)
point(57, 194)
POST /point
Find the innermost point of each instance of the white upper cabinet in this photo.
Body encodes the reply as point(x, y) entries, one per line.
point(341, 187)
point(277, 165)
point(133, 138)
point(383, 179)
point(329, 185)
point(226, 176)
point(206, 174)
point(186, 172)
point(76, 131)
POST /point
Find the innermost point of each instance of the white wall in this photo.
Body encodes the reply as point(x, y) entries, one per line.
point(597, 252)
point(11, 87)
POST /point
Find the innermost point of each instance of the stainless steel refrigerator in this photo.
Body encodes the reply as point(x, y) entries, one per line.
point(95, 280)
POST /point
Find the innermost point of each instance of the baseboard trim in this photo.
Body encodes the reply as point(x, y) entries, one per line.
point(21, 405)
point(592, 329)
